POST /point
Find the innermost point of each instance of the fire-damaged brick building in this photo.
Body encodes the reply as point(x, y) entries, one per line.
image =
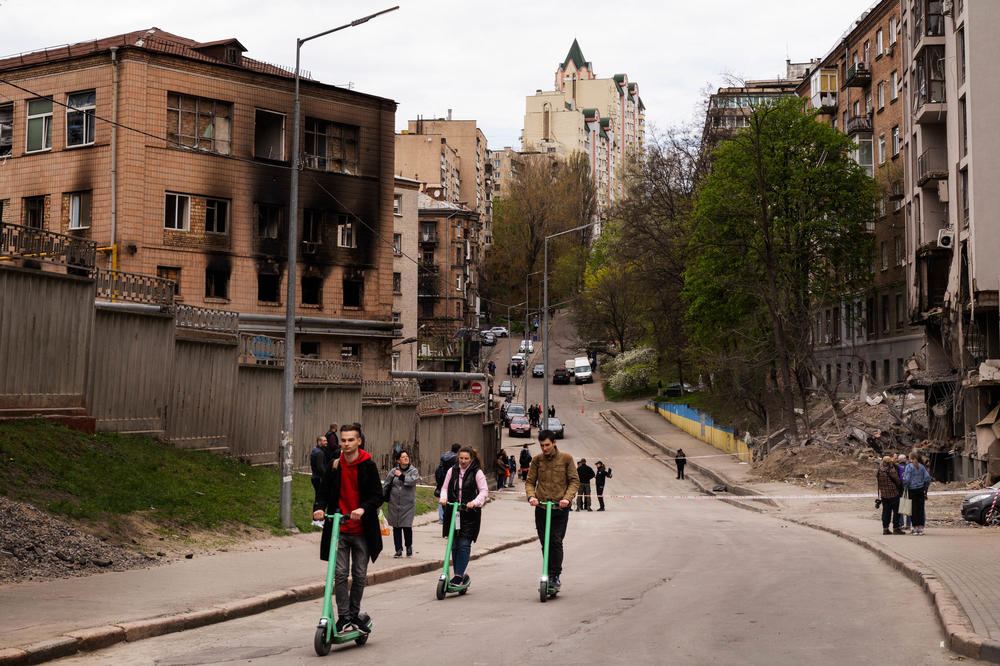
point(174, 156)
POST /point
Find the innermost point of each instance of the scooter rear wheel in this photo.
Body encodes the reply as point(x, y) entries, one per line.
point(543, 592)
point(319, 642)
point(440, 590)
point(361, 640)
point(463, 591)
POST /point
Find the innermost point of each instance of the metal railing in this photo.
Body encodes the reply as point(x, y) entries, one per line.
point(46, 246)
point(932, 163)
point(391, 389)
point(428, 237)
point(261, 350)
point(205, 319)
point(133, 287)
point(326, 370)
point(857, 124)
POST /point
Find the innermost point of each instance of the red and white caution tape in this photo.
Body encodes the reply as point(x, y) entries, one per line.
point(771, 497)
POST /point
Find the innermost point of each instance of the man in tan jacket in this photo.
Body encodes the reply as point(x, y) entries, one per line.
point(552, 478)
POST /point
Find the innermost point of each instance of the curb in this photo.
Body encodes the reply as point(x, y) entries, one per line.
point(97, 638)
point(962, 638)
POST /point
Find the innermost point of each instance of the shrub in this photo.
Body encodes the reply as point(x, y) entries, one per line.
point(632, 370)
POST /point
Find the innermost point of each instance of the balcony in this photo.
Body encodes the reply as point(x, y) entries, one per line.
point(859, 125)
point(428, 237)
point(858, 76)
point(825, 101)
point(929, 107)
point(932, 165)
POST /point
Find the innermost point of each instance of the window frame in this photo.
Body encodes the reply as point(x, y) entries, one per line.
point(203, 107)
point(30, 211)
point(397, 283)
point(6, 129)
point(212, 203)
point(87, 112)
point(46, 120)
point(397, 204)
point(187, 211)
point(897, 140)
point(209, 271)
point(260, 230)
point(894, 86)
point(346, 236)
point(881, 95)
point(172, 273)
point(397, 244)
point(83, 204)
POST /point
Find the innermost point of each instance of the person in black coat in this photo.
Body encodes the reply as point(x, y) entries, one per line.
point(353, 488)
point(586, 474)
point(318, 463)
point(680, 459)
point(602, 475)
point(332, 445)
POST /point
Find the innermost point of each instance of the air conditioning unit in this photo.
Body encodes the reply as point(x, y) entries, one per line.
point(889, 50)
point(946, 238)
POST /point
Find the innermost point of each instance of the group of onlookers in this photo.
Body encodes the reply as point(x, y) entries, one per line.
point(903, 484)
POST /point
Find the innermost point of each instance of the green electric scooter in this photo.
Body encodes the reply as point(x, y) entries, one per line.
point(445, 585)
point(326, 631)
point(546, 591)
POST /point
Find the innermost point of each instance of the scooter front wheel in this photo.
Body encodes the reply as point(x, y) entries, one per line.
point(320, 644)
point(543, 592)
point(440, 590)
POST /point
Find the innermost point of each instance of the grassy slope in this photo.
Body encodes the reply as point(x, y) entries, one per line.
point(98, 478)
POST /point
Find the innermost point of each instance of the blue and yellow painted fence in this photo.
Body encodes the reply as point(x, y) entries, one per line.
point(701, 426)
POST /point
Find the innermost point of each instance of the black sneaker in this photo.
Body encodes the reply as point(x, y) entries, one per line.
point(555, 583)
point(456, 580)
point(344, 625)
point(362, 622)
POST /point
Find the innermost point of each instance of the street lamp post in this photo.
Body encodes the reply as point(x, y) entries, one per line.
point(509, 355)
point(527, 316)
point(288, 396)
point(545, 311)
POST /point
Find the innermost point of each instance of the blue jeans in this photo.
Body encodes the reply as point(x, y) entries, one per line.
point(440, 513)
point(461, 550)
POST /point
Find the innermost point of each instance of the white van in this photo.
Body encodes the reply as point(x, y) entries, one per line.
point(581, 370)
point(570, 365)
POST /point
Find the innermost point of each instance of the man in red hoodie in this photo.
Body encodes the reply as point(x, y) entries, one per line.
point(353, 488)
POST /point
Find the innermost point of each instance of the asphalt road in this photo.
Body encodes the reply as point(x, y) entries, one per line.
point(647, 582)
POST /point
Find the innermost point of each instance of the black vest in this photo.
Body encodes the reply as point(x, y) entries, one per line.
point(470, 519)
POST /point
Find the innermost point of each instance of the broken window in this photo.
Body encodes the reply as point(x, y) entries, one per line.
point(79, 210)
point(312, 290)
point(268, 287)
point(310, 349)
point(331, 146)
point(80, 118)
point(268, 220)
point(350, 351)
point(39, 134)
point(345, 232)
point(427, 308)
point(177, 212)
point(315, 148)
point(34, 212)
point(199, 123)
point(312, 221)
point(216, 282)
point(269, 135)
point(171, 273)
point(216, 215)
point(6, 129)
point(397, 283)
point(353, 292)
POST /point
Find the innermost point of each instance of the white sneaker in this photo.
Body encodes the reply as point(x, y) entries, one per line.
point(317, 523)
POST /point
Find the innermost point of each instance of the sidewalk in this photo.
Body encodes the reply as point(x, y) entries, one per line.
point(957, 567)
point(52, 619)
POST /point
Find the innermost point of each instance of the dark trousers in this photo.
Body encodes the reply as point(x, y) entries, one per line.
point(583, 497)
point(890, 512)
point(317, 482)
point(919, 514)
point(680, 470)
point(352, 554)
point(560, 518)
point(600, 496)
point(398, 534)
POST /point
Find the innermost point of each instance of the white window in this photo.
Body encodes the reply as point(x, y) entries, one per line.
point(80, 118)
point(881, 94)
point(892, 30)
point(177, 212)
point(397, 244)
point(79, 210)
point(879, 47)
point(6, 128)
point(893, 85)
point(39, 135)
point(881, 148)
point(458, 230)
point(216, 216)
point(458, 282)
point(884, 251)
point(896, 143)
point(345, 232)
point(397, 204)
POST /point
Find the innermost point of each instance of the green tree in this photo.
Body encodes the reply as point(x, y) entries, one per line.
point(780, 226)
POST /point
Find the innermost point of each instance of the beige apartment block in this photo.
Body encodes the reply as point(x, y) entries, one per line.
point(405, 254)
point(432, 160)
point(193, 184)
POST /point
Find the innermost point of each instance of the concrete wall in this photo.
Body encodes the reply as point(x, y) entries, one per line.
point(385, 427)
point(202, 393)
point(255, 430)
point(316, 407)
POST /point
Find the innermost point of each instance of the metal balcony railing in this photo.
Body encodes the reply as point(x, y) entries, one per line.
point(133, 287)
point(391, 389)
point(858, 76)
point(261, 350)
point(859, 124)
point(932, 164)
point(327, 370)
point(428, 237)
point(206, 319)
point(47, 247)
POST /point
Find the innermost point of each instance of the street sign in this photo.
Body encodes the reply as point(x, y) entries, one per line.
point(476, 387)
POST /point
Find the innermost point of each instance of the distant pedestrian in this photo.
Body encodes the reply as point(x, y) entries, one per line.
point(900, 518)
point(890, 487)
point(586, 474)
point(400, 491)
point(332, 445)
point(493, 368)
point(600, 477)
point(508, 369)
point(318, 466)
point(917, 481)
point(552, 411)
point(511, 471)
point(680, 460)
point(448, 459)
point(525, 461)
point(465, 483)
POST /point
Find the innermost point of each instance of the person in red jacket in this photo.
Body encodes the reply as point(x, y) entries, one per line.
point(352, 487)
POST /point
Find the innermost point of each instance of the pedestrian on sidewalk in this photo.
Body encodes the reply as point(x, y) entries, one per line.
point(586, 474)
point(400, 491)
point(552, 411)
point(317, 465)
point(525, 461)
point(351, 486)
point(901, 469)
point(917, 480)
point(448, 459)
point(332, 445)
point(890, 487)
point(512, 471)
point(552, 478)
point(465, 483)
point(501, 469)
point(600, 477)
point(680, 460)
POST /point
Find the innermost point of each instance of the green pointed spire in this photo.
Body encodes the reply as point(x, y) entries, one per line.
point(576, 55)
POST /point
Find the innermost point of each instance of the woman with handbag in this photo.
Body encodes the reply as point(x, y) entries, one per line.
point(889, 488)
point(400, 492)
point(916, 481)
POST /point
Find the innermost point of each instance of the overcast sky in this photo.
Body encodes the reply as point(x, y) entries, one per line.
point(478, 58)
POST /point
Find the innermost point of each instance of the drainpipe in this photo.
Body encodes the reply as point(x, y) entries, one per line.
point(114, 158)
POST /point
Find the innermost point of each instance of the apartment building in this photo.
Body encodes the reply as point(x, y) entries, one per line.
point(431, 160)
point(730, 107)
point(855, 88)
point(405, 254)
point(950, 90)
point(192, 185)
point(584, 113)
point(450, 254)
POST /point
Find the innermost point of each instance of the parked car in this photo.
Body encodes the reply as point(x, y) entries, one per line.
point(675, 389)
point(556, 426)
point(518, 360)
point(506, 388)
point(538, 370)
point(509, 411)
point(519, 427)
point(500, 331)
point(561, 376)
point(488, 339)
point(976, 505)
point(527, 346)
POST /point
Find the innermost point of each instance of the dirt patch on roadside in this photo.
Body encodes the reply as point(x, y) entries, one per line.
point(814, 466)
